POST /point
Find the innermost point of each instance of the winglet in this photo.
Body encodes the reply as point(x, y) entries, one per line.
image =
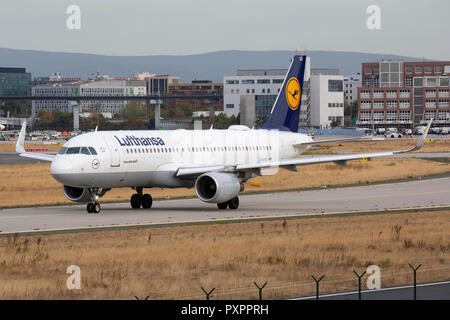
point(421, 141)
point(20, 148)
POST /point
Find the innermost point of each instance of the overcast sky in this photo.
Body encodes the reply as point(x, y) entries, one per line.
point(147, 27)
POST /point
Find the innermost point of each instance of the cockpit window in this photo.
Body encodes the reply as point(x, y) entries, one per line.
point(78, 150)
point(73, 150)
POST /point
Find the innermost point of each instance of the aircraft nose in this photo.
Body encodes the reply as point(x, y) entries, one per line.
point(59, 167)
point(61, 170)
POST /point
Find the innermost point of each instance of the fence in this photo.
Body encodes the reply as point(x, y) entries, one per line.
point(314, 286)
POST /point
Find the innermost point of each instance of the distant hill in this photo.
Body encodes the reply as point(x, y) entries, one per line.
point(209, 66)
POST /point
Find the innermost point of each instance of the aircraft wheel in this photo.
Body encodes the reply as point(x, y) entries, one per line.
point(222, 205)
point(96, 207)
point(233, 203)
point(135, 201)
point(90, 207)
point(146, 201)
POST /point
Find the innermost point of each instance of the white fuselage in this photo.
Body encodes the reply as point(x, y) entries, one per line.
point(151, 158)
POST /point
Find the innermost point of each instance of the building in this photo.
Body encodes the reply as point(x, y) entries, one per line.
point(263, 84)
point(252, 92)
point(55, 78)
point(14, 82)
point(351, 85)
point(327, 98)
point(112, 87)
point(404, 94)
point(196, 87)
point(157, 84)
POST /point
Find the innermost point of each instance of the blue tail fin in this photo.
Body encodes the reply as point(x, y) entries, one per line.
point(286, 110)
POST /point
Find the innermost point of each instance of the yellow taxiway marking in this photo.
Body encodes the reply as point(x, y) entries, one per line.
point(250, 218)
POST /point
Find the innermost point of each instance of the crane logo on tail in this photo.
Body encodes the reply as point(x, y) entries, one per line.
point(293, 93)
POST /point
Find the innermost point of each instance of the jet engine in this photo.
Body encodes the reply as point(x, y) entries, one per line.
point(217, 187)
point(77, 194)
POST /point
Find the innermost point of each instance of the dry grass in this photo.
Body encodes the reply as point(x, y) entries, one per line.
point(378, 146)
point(32, 184)
point(174, 262)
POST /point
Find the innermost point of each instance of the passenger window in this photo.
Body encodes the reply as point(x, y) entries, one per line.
point(85, 150)
point(92, 150)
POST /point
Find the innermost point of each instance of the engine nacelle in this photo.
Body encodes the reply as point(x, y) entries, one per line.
point(77, 194)
point(217, 187)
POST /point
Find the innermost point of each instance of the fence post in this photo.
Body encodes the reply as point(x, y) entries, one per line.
point(260, 289)
point(415, 271)
point(317, 285)
point(359, 282)
point(208, 293)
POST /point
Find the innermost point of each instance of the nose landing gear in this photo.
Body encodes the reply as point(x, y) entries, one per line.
point(94, 205)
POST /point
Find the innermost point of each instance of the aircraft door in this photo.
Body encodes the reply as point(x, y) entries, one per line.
point(114, 151)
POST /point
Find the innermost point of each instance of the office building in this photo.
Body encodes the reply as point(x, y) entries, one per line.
point(262, 87)
point(111, 87)
point(351, 85)
point(14, 82)
point(404, 94)
point(327, 98)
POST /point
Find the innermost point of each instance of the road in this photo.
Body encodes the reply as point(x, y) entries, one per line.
point(346, 200)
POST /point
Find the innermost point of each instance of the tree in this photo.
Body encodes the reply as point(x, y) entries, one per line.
point(133, 110)
point(260, 120)
point(187, 109)
point(18, 108)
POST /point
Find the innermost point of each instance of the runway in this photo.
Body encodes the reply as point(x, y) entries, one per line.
point(403, 196)
point(425, 291)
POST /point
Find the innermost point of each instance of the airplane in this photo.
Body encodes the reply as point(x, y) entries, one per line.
point(2, 127)
point(216, 163)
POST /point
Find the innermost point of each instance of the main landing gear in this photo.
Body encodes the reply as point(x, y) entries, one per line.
point(93, 207)
point(232, 204)
point(141, 200)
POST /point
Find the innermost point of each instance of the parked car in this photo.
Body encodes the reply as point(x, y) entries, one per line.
point(393, 133)
point(310, 133)
point(381, 131)
point(407, 132)
point(419, 130)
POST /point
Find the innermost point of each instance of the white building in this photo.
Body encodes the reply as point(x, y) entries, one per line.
point(351, 85)
point(263, 85)
point(327, 98)
point(87, 88)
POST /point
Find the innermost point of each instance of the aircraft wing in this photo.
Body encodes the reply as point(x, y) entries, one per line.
point(354, 139)
point(291, 163)
point(21, 149)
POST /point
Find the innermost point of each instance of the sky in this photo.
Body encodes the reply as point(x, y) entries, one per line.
point(181, 27)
